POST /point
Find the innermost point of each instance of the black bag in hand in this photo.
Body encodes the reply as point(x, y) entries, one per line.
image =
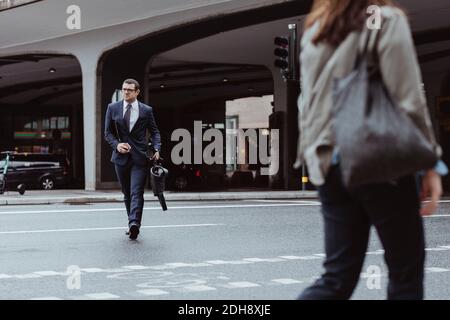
point(376, 139)
point(158, 181)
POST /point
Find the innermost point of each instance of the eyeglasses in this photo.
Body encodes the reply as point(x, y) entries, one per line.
point(126, 89)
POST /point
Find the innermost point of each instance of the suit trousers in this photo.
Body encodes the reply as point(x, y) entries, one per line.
point(132, 179)
point(393, 209)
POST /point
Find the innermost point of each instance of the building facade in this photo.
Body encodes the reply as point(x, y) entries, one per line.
point(62, 61)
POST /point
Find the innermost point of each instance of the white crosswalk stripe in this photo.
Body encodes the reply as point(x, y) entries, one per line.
point(196, 288)
point(177, 265)
point(49, 273)
point(92, 270)
point(135, 267)
point(241, 284)
point(143, 271)
point(286, 281)
point(174, 265)
point(152, 292)
point(115, 270)
point(263, 260)
point(27, 276)
point(102, 296)
point(216, 262)
point(310, 258)
point(378, 252)
point(291, 257)
point(434, 269)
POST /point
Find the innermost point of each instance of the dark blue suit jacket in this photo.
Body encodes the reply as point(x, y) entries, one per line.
point(137, 138)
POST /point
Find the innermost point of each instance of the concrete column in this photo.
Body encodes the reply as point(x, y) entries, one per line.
point(91, 120)
point(113, 70)
point(77, 144)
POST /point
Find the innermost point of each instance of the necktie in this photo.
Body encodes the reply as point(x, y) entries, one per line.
point(126, 117)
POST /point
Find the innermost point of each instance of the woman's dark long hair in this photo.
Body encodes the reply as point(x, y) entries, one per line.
point(339, 17)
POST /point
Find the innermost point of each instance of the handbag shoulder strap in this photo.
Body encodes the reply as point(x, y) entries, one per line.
point(369, 50)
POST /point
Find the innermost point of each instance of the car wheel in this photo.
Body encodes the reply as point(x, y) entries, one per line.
point(181, 182)
point(21, 189)
point(47, 183)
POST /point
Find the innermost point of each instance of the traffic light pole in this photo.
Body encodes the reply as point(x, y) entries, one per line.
point(295, 78)
point(293, 54)
point(287, 60)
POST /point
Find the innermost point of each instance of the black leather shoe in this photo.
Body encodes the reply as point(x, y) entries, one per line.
point(134, 231)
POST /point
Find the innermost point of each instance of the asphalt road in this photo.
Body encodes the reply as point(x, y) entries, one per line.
point(268, 250)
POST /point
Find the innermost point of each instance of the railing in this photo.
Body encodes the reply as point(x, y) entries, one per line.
point(9, 4)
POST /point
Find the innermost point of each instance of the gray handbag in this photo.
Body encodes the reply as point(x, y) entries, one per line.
point(376, 140)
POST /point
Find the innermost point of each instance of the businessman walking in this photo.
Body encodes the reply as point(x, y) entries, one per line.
point(126, 125)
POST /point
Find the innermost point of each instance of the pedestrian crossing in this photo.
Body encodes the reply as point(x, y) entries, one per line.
point(152, 293)
point(188, 289)
point(174, 278)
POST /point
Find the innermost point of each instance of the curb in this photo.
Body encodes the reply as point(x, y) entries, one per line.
point(224, 196)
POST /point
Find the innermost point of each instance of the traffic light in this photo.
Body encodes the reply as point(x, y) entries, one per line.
point(282, 55)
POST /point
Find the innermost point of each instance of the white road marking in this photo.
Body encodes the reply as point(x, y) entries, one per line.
point(437, 216)
point(309, 257)
point(254, 259)
point(175, 265)
point(138, 267)
point(238, 262)
point(109, 228)
point(65, 211)
point(152, 292)
point(209, 263)
point(199, 264)
point(196, 288)
point(92, 270)
point(115, 270)
point(286, 281)
point(434, 269)
point(47, 298)
point(283, 203)
point(263, 260)
point(302, 202)
point(216, 262)
point(241, 284)
point(160, 267)
point(49, 273)
point(377, 252)
point(101, 296)
point(27, 276)
point(436, 249)
point(157, 208)
point(290, 257)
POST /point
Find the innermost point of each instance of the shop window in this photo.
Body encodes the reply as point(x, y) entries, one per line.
point(41, 127)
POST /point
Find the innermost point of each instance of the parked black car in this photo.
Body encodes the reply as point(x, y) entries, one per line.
point(43, 171)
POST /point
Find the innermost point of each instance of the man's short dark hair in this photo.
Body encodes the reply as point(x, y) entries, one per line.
point(132, 81)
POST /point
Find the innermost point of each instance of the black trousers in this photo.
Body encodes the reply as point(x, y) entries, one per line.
point(393, 209)
point(132, 180)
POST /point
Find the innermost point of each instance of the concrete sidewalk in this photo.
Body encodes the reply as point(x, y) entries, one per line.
point(82, 196)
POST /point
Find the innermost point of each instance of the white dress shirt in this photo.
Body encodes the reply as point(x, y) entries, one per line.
point(134, 112)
